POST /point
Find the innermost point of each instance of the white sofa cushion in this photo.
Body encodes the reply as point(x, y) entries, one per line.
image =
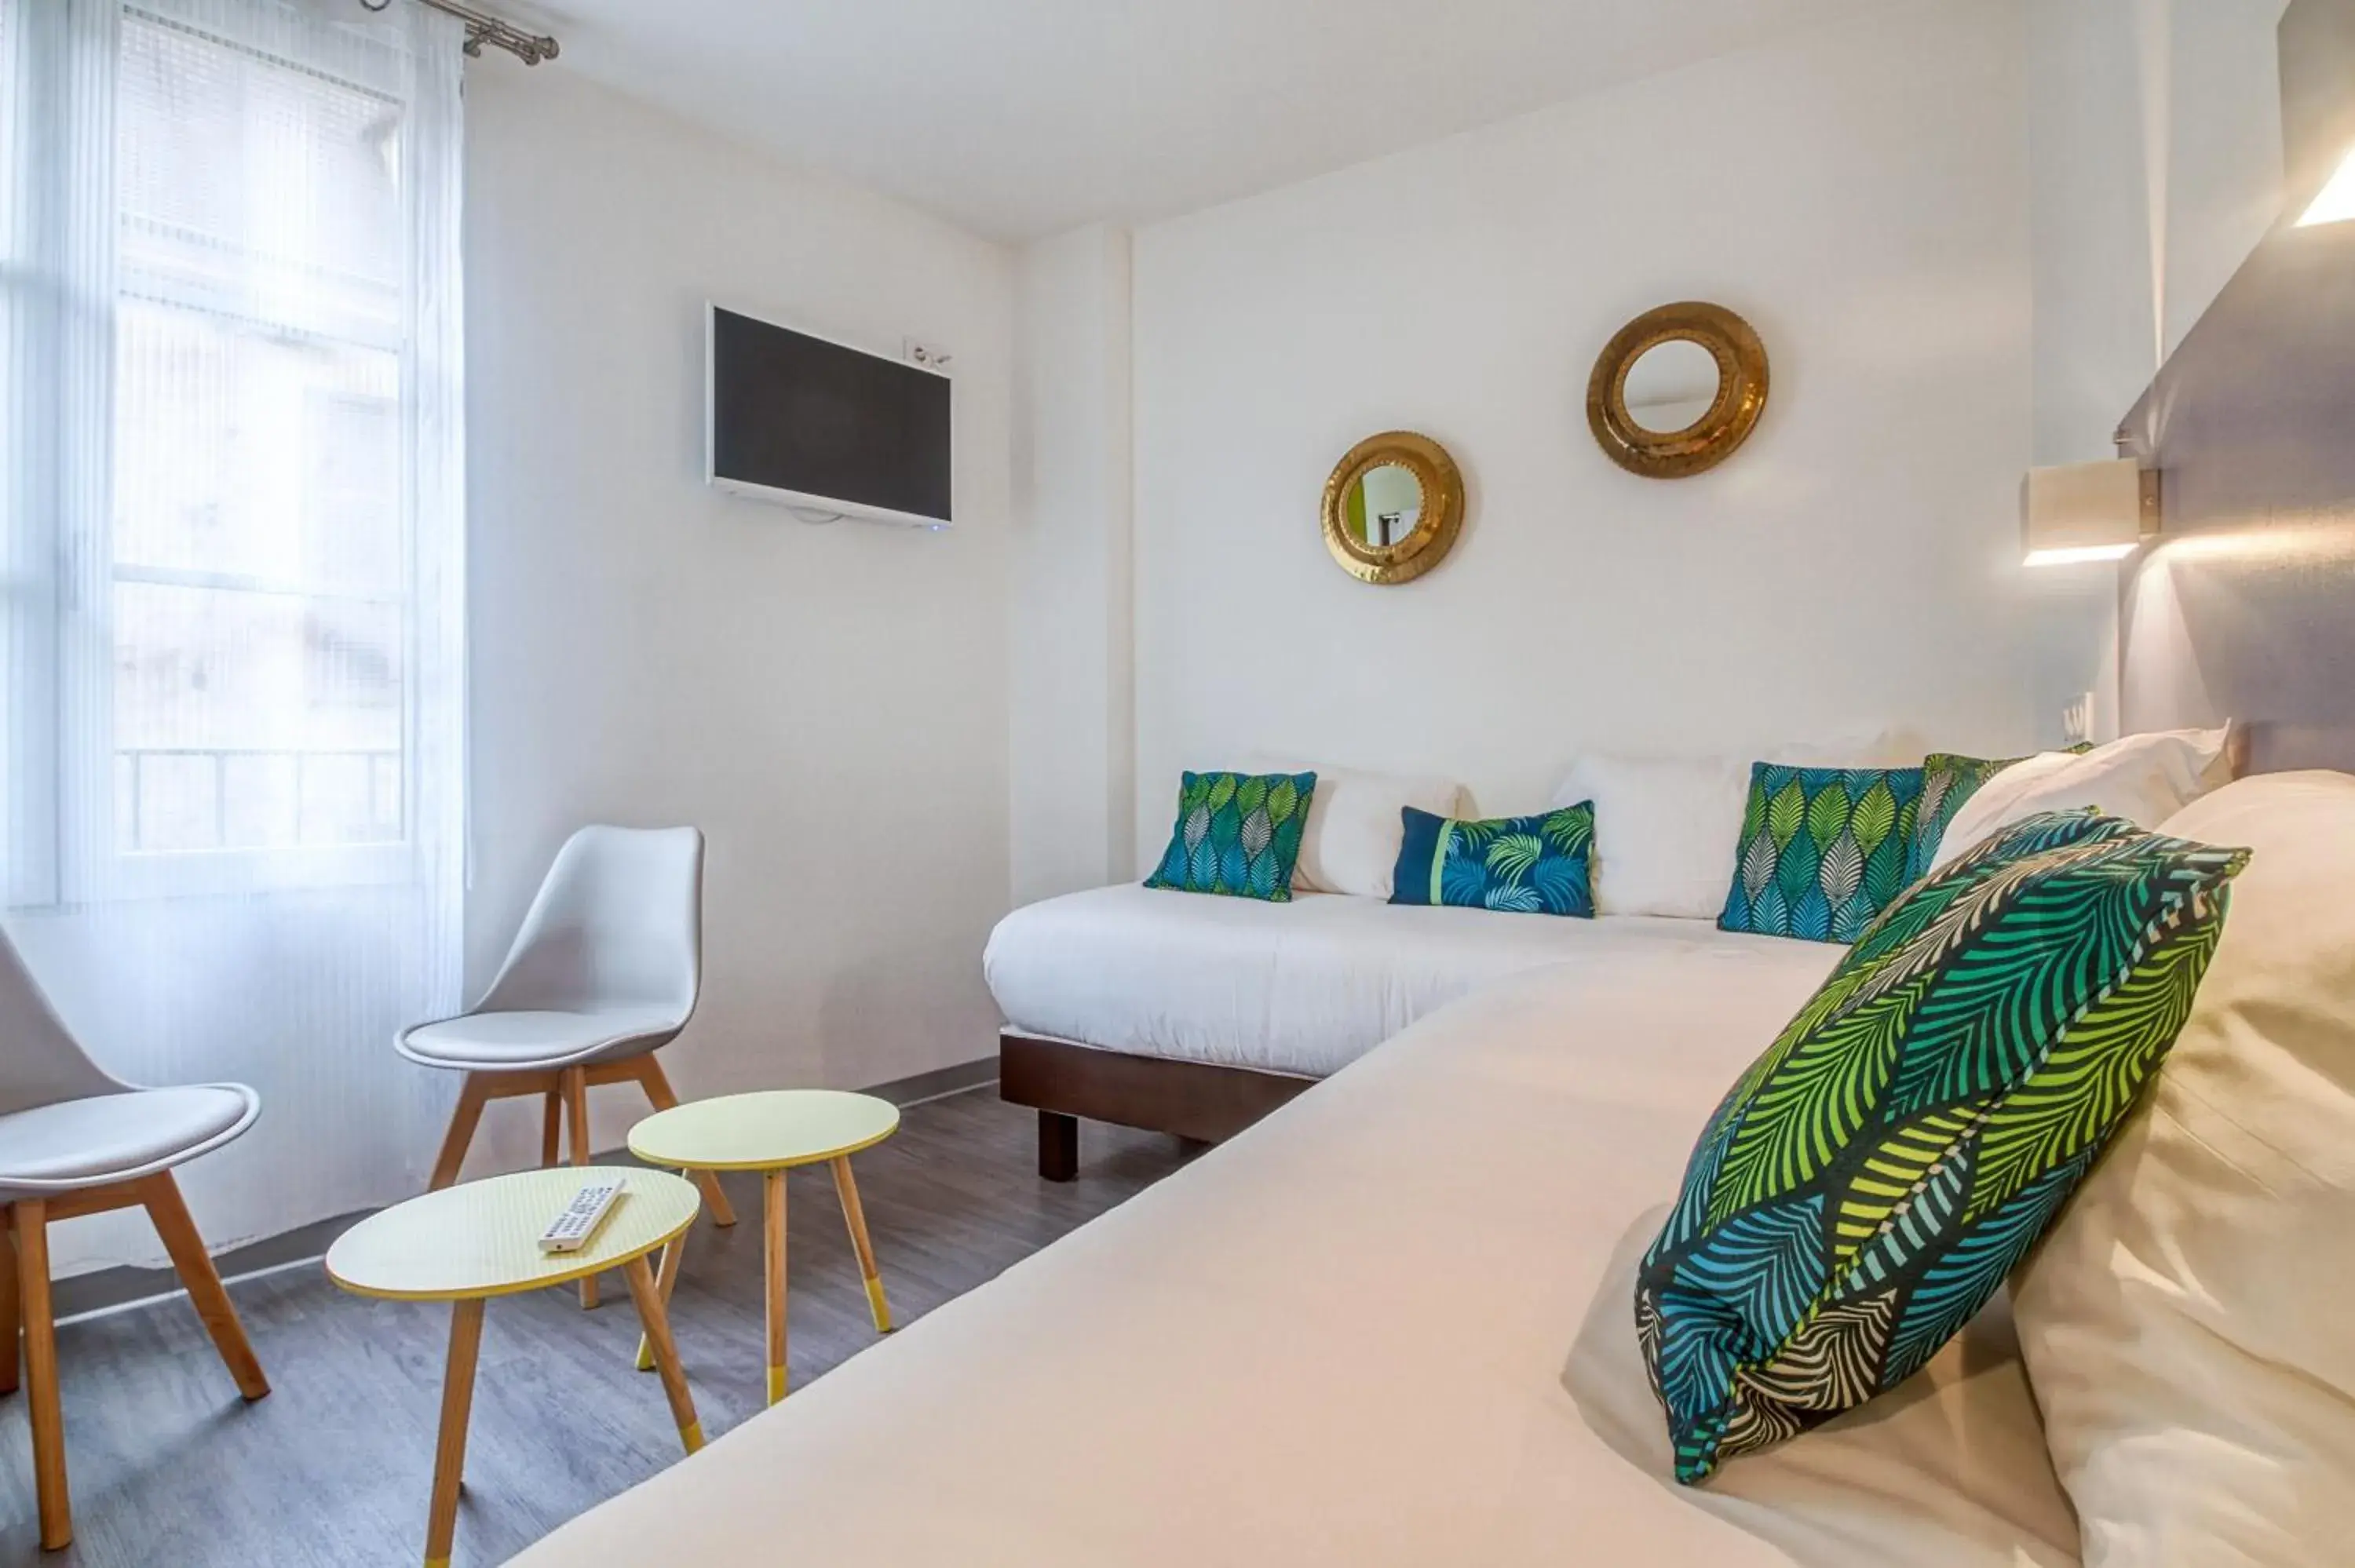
point(1350, 844)
point(2187, 1324)
point(1666, 830)
point(2146, 778)
point(1306, 987)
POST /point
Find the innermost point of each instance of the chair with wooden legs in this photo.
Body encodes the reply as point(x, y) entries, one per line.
point(605, 972)
point(74, 1141)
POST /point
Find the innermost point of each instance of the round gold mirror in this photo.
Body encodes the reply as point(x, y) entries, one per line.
point(1393, 507)
point(1677, 390)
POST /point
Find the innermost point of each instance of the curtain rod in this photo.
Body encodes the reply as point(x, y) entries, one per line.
point(484, 29)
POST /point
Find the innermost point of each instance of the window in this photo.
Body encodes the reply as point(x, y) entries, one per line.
point(250, 535)
point(258, 592)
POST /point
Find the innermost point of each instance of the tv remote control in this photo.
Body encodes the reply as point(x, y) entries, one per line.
point(572, 1228)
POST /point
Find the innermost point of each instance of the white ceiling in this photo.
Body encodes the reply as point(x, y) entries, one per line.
point(1021, 118)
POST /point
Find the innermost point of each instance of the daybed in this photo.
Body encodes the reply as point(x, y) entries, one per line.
point(1389, 1325)
point(1198, 1015)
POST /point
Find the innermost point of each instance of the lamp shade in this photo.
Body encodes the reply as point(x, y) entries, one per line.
point(2085, 512)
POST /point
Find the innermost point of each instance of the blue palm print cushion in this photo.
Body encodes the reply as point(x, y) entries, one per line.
point(1536, 865)
point(1869, 1182)
point(1236, 834)
point(1823, 850)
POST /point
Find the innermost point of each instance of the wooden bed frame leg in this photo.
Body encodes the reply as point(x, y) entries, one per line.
point(1058, 1146)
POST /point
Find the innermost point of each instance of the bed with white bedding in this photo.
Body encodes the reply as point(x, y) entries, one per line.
point(1196, 1015)
point(1303, 988)
point(1389, 1325)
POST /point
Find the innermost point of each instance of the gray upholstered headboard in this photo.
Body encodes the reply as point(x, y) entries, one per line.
point(2245, 609)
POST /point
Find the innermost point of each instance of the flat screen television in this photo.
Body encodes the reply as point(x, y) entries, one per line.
point(818, 426)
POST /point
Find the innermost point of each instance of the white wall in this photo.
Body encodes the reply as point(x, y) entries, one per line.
point(828, 703)
point(1862, 195)
point(2154, 135)
point(1072, 780)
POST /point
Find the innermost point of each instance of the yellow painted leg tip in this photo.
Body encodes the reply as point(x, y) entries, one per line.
point(882, 1309)
point(646, 1359)
point(692, 1436)
point(437, 1562)
point(776, 1384)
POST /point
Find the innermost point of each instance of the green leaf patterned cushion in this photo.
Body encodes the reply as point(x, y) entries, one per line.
point(1948, 782)
point(1823, 850)
point(1870, 1179)
point(1536, 865)
point(1236, 834)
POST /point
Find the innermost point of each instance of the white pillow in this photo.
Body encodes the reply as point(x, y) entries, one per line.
point(2187, 1323)
point(2145, 778)
point(1666, 830)
point(1350, 844)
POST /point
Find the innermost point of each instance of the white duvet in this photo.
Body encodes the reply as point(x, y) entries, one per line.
point(1390, 1325)
point(1308, 987)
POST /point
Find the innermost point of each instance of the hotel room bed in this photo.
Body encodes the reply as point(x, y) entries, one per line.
point(1389, 1325)
point(1303, 988)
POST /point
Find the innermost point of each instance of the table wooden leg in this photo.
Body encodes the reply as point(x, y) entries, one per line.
point(666, 1281)
point(32, 1223)
point(450, 1448)
point(855, 1217)
point(574, 1081)
point(648, 1297)
point(773, 1249)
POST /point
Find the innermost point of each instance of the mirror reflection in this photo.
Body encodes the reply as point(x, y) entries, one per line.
point(1672, 387)
point(1385, 506)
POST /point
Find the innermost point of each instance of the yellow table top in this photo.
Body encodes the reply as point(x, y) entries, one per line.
point(481, 1238)
point(770, 1130)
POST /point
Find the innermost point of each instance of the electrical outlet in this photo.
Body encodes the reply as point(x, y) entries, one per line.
point(930, 355)
point(2077, 719)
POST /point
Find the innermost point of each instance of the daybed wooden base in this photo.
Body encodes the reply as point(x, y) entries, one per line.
point(1063, 1081)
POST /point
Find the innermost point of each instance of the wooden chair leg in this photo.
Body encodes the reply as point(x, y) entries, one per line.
point(1058, 1146)
point(11, 1357)
point(169, 1212)
point(657, 1326)
point(32, 1232)
point(472, 1096)
point(658, 1091)
point(575, 1084)
point(450, 1448)
point(551, 1129)
point(856, 1218)
point(773, 1258)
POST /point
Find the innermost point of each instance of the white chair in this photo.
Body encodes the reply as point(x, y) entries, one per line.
point(75, 1141)
point(604, 973)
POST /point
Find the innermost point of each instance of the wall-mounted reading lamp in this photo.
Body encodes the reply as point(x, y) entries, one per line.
point(2088, 512)
point(2337, 202)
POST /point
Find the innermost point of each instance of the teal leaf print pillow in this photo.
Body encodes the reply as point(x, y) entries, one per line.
point(1948, 782)
point(1823, 850)
point(1237, 835)
point(1531, 866)
point(1869, 1182)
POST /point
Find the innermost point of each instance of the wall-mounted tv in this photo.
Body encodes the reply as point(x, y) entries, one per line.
point(818, 426)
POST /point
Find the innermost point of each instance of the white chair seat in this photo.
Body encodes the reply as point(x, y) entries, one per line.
point(525, 1041)
point(115, 1137)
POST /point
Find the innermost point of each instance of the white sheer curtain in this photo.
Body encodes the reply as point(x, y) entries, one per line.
point(232, 506)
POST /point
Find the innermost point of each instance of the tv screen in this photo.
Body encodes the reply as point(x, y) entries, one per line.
point(799, 419)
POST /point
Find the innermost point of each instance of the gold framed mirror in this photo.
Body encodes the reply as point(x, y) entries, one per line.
point(1393, 507)
point(1678, 391)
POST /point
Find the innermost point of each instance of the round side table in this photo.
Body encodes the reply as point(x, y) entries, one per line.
point(466, 1244)
point(771, 1132)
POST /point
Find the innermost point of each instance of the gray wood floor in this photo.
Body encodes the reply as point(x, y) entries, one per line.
point(169, 1467)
